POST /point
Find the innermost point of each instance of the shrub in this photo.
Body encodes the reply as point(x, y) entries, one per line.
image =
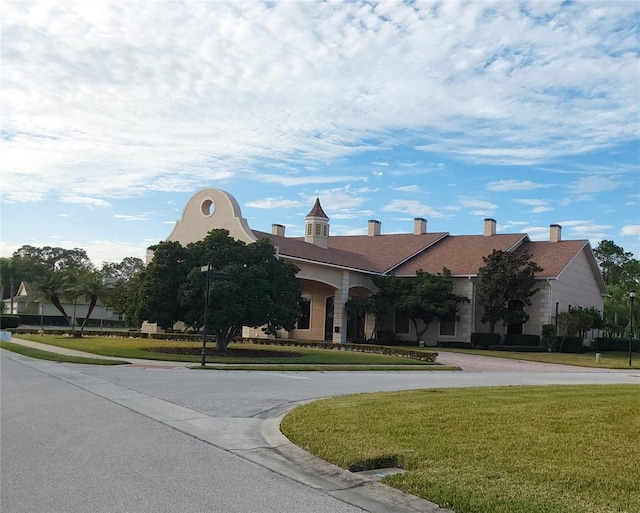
point(570, 345)
point(615, 344)
point(548, 340)
point(425, 356)
point(521, 349)
point(9, 321)
point(457, 345)
point(484, 340)
point(522, 340)
point(49, 320)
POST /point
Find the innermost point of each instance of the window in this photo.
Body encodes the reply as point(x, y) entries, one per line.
point(402, 324)
point(324, 230)
point(317, 229)
point(447, 327)
point(304, 315)
point(309, 229)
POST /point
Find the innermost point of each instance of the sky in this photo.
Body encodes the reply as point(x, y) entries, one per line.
point(113, 114)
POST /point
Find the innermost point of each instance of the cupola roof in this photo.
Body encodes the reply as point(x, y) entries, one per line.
point(317, 211)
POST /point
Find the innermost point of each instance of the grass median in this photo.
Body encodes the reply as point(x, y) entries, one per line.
point(249, 356)
point(608, 360)
point(55, 357)
point(551, 449)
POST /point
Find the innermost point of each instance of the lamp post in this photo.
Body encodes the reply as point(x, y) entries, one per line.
point(203, 354)
point(632, 296)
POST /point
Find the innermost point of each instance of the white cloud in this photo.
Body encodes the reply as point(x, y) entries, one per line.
point(581, 229)
point(168, 95)
point(124, 217)
point(538, 205)
point(408, 188)
point(630, 230)
point(85, 201)
point(479, 207)
point(514, 185)
point(413, 207)
point(291, 180)
point(267, 203)
point(594, 184)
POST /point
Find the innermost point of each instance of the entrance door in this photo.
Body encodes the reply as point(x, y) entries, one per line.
point(516, 310)
point(328, 319)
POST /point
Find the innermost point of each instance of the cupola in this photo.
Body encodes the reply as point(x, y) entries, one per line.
point(316, 229)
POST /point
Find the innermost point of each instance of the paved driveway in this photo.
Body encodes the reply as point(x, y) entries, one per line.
point(479, 363)
point(147, 438)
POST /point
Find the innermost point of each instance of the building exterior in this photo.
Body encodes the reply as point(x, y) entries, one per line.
point(335, 268)
point(23, 304)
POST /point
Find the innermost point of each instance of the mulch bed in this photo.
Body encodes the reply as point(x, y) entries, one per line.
point(229, 353)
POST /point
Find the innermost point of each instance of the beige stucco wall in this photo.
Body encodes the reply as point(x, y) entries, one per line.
point(576, 286)
point(209, 209)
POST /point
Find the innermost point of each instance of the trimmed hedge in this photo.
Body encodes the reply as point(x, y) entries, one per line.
point(521, 349)
point(58, 320)
point(570, 345)
point(484, 340)
point(603, 344)
point(9, 321)
point(50, 320)
point(423, 356)
point(457, 345)
point(522, 340)
point(394, 342)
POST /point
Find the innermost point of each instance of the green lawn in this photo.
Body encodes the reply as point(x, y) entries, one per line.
point(553, 449)
point(608, 360)
point(139, 348)
point(54, 357)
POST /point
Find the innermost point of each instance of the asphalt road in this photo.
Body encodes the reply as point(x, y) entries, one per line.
point(145, 438)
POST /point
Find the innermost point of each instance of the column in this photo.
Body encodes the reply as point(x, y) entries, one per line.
point(339, 312)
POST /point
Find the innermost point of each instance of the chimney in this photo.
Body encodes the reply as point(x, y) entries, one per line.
point(489, 227)
point(374, 227)
point(555, 233)
point(419, 226)
point(277, 229)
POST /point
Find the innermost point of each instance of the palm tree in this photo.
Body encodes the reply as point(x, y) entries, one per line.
point(93, 287)
point(10, 274)
point(52, 289)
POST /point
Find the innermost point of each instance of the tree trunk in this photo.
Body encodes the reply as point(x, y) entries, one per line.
point(92, 305)
point(419, 333)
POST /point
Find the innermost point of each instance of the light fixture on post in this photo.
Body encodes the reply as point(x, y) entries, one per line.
point(632, 297)
point(203, 354)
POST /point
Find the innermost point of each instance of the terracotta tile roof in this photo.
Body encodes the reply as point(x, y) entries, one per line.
point(375, 254)
point(317, 211)
point(461, 254)
point(553, 257)
point(386, 251)
point(404, 254)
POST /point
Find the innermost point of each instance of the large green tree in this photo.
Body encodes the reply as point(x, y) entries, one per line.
point(52, 258)
point(248, 286)
point(125, 281)
point(161, 281)
point(611, 259)
point(423, 299)
point(621, 273)
point(505, 278)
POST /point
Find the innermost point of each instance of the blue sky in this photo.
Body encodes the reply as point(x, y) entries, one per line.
point(115, 113)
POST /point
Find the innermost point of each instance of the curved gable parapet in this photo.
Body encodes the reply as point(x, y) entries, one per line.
point(207, 210)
